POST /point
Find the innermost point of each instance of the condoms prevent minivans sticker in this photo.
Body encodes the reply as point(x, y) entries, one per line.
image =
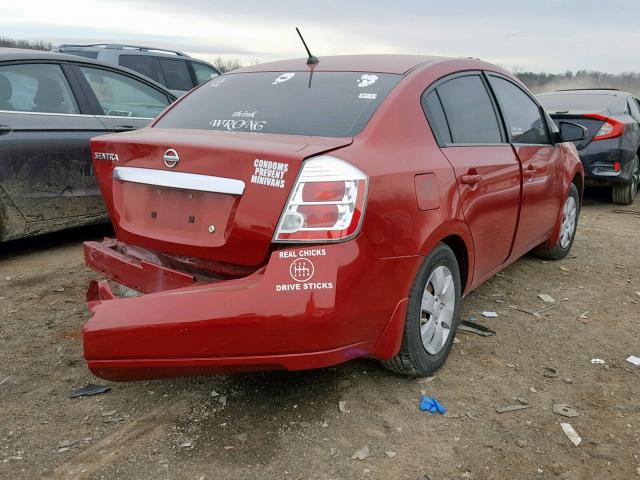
point(269, 173)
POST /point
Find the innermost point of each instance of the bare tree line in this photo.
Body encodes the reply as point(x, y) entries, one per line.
point(28, 44)
point(542, 82)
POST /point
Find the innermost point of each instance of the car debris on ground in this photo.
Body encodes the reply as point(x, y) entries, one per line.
point(546, 298)
point(571, 433)
point(89, 390)
point(634, 360)
point(476, 328)
point(362, 453)
point(565, 410)
point(512, 408)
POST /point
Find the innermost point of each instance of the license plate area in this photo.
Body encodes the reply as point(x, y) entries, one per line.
point(174, 215)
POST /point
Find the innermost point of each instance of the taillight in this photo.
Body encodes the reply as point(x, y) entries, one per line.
point(326, 204)
point(611, 128)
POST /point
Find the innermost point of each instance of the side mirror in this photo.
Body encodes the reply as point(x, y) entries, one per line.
point(571, 132)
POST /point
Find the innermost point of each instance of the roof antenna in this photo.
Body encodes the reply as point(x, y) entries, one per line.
point(311, 60)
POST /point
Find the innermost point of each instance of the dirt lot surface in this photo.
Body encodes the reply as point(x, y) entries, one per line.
point(289, 426)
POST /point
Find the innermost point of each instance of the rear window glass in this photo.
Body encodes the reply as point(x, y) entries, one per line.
point(39, 88)
point(147, 66)
point(469, 111)
point(331, 104)
point(559, 102)
point(176, 74)
point(435, 115)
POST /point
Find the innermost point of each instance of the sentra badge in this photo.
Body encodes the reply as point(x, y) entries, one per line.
point(106, 156)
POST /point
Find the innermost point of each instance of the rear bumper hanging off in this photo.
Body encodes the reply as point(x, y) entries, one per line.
point(309, 307)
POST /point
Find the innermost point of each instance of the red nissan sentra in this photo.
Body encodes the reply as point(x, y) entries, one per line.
point(295, 216)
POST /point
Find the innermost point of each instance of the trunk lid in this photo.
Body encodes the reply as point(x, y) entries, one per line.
point(212, 195)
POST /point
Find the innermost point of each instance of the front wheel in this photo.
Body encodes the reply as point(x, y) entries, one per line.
point(570, 213)
point(625, 194)
point(432, 316)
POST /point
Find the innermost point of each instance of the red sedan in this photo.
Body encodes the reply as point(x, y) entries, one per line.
point(295, 216)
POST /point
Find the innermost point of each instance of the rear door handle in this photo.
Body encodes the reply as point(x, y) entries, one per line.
point(471, 179)
point(529, 172)
point(4, 129)
point(124, 128)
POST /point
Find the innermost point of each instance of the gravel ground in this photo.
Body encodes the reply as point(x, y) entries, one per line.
point(289, 425)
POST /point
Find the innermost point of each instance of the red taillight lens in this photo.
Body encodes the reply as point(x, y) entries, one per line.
point(326, 203)
point(611, 128)
point(319, 216)
point(323, 191)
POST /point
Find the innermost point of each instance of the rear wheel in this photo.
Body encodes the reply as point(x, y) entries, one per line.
point(432, 316)
point(625, 194)
point(570, 213)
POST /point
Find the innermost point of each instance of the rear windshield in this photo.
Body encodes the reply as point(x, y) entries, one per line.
point(334, 104)
point(557, 102)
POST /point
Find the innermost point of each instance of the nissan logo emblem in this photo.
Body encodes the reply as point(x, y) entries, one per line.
point(171, 158)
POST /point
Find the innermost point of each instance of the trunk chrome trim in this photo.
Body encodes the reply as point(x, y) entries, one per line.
point(180, 180)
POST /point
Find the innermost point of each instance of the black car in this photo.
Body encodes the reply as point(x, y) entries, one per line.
point(611, 147)
point(50, 106)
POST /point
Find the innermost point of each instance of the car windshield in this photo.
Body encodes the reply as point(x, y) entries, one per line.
point(594, 102)
point(335, 104)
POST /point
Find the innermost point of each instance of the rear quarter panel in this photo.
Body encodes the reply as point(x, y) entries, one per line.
point(395, 147)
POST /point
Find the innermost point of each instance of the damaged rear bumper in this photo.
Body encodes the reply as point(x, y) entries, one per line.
point(308, 307)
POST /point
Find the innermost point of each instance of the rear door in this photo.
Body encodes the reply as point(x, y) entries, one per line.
point(45, 165)
point(541, 160)
point(122, 102)
point(486, 167)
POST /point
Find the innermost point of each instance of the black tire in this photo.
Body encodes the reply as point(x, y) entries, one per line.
point(626, 194)
point(413, 359)
point(557, 251)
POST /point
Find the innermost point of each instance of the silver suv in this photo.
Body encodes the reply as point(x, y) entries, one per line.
point(175, 70)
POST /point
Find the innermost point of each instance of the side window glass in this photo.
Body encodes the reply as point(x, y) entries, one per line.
point(633, 109)
point(435, 115)
point(145, 65)
point(122, 96)
point(469, 111)
point(522, 115)
point(36, 88)
point(176, 74)
point(204, 73)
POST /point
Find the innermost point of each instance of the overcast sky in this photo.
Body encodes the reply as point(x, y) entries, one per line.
point(546, 35)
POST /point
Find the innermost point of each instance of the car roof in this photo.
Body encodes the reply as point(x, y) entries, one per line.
point(587, 91)
point(17, 54)
point(123, 47)
point(381, 63)
point(7, 54)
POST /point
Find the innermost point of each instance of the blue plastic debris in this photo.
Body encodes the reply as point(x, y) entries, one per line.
point(431, 405)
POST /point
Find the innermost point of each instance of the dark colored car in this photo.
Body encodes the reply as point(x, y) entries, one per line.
point(50, 106)
point(610, 150)
point(288, 216)
point(175, 70)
